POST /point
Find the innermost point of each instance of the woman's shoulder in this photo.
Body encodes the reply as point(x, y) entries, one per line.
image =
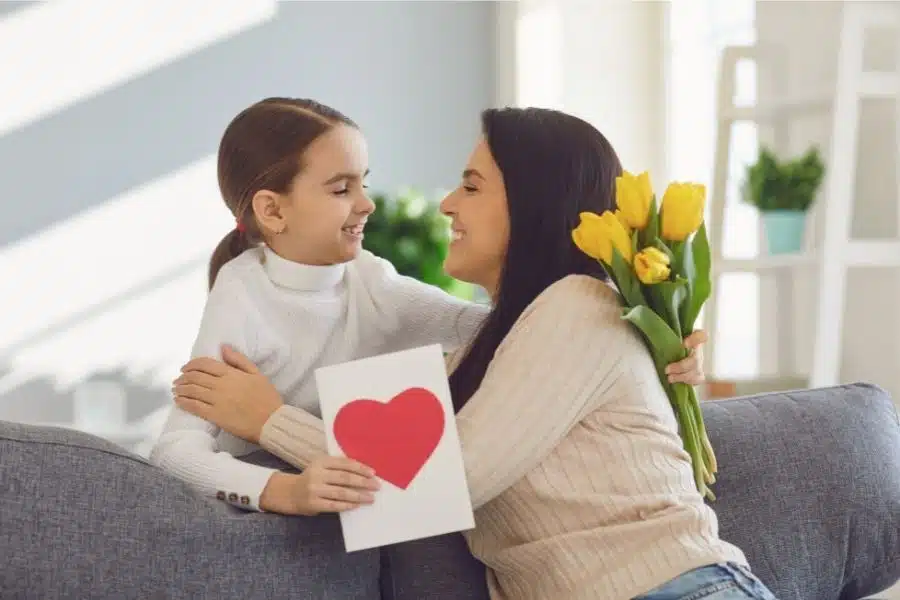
point(573, 294)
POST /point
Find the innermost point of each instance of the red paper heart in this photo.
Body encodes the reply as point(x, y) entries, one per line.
point(395, 438)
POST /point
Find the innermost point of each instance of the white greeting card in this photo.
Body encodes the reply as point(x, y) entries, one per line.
point(393, 413)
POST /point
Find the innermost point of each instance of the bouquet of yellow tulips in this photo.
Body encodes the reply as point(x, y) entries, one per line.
point(658, 257)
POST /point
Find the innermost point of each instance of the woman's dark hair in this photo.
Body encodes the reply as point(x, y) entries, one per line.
point(262, 149)
point(554, 167)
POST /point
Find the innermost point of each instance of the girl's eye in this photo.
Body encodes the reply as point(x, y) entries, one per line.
point(342, 192)
point(470, 188)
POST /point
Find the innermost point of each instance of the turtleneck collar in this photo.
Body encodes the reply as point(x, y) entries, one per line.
point(300, 277)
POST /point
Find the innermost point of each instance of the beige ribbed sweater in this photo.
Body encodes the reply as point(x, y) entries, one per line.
point(581, 486)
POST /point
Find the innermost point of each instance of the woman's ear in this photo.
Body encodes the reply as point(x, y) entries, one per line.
point(267, 210)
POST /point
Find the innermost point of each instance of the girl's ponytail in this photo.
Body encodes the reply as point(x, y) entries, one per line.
point(232, 245)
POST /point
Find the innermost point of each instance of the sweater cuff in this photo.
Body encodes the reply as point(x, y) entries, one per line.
point(246, 487)
point(294, 435)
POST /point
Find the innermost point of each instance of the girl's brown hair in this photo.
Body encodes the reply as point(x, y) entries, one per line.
point(262, 149)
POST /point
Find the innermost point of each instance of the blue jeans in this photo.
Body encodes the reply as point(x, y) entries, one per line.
point(727, 581)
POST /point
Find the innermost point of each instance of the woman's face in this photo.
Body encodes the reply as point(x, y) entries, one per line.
point(480, 222)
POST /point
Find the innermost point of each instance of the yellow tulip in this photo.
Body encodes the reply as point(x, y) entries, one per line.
point(651, 265)
point(596, 236)
point(633, 196)
point(622, 220)
point(682, 210)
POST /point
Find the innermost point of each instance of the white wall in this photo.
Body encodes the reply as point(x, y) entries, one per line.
point(808, 34)
point(602, 61)
point(111, 207)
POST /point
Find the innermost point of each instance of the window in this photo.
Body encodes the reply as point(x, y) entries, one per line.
point(698, 32)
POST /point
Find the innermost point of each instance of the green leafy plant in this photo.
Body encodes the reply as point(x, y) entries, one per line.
point(409, 230)
point(792, 184)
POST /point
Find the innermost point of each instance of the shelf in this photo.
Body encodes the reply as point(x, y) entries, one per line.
point(763, 263)
point(872, 84)
point(811, 102)
point(859, 253)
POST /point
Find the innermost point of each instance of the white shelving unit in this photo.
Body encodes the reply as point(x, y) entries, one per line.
point(830, 256)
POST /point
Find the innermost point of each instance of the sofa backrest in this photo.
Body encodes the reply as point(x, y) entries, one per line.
point(809, 488)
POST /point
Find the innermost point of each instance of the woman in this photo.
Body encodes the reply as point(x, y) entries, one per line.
point(578, 476)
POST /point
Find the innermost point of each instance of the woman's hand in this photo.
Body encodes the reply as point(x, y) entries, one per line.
point(689, 370)
point(328, 485)
point(233, 394)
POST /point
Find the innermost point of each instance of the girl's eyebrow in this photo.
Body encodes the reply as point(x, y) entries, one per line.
point(339, 176)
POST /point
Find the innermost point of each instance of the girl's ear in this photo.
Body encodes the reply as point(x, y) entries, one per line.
point(267, 210)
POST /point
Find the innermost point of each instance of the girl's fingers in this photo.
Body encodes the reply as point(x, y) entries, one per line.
point(320, 505)
point(342, 463)
point(343, 494)
point(350, 480)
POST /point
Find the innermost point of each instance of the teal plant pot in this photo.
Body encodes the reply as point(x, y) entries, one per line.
point(784, 230)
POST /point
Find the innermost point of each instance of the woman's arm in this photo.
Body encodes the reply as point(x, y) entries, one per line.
point(560, 362)
point(187, 447)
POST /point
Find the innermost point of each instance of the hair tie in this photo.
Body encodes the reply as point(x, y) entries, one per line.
point(240, 227)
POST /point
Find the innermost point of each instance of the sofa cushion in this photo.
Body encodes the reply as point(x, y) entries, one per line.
point(809, 488)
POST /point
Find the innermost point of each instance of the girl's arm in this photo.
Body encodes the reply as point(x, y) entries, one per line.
point(187, 447)
point(425, 313)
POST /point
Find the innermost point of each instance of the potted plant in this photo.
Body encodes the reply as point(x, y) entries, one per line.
point(409, 230)
point(783, 191)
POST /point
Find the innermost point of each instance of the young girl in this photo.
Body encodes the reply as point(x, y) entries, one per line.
point(293, 290)
point(291, 287)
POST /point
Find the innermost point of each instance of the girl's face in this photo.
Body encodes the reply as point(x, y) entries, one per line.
point(320, 220)
point(480, 222)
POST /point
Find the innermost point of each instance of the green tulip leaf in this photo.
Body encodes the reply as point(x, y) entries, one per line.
point(697, 265)
point(664, 343)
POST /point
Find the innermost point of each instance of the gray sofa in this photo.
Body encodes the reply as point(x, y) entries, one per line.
point(809, 487)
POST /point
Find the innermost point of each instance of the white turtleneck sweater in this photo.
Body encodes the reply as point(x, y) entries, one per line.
point(291, 319)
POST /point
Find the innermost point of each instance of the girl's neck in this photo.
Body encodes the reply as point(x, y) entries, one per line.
point(298, 276)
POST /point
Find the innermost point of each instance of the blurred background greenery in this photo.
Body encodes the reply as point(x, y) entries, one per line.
point(408, 229)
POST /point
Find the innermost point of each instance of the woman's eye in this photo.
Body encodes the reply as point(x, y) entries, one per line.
point(470, 188)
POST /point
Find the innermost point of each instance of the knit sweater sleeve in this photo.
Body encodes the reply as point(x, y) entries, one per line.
point(187, 447)
point(560, 362)
point(425, 313)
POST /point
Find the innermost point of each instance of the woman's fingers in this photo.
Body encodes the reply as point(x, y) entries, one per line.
point(685, 365)
point(195, 407)
point(207, 365)
point(692, 378)
point(197, 378)
point(193, 392)
point(238, 360)
point(696, 339)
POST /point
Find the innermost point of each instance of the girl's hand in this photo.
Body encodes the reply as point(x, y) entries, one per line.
point(332, 484)
point(689, 370)
point(233, 394)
